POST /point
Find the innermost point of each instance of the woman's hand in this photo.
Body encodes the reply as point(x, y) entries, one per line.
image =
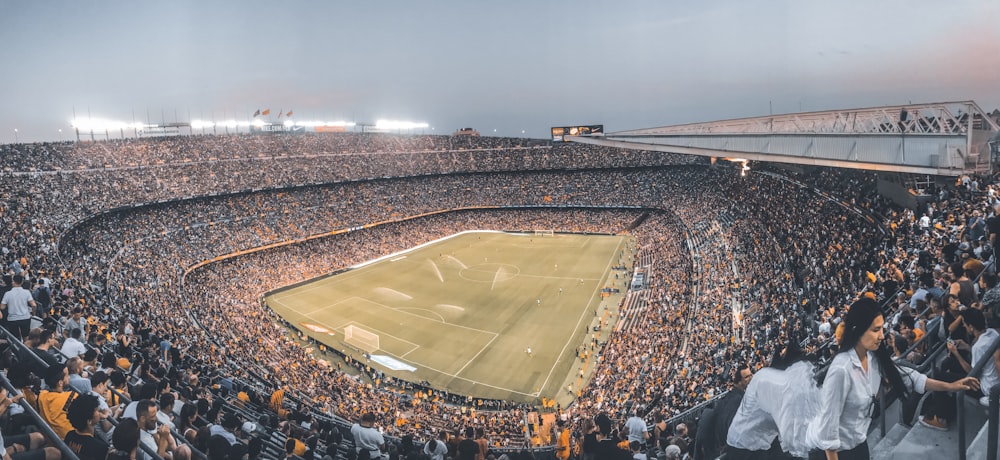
point(967, 384)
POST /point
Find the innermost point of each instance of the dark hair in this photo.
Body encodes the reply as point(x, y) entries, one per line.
point(167, 402)
point(908, 321)
point(81, 410)
point(990, 279)
point(126, 435)
point(98, 378)
point(142, 409)
point(54, 374)
point(187, 410)
point(974, 318)
point(857, 321)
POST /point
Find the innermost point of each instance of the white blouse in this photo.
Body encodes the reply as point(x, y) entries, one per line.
point(788, 404)
point(847, 400)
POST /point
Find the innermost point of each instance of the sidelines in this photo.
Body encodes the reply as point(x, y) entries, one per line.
point(607, 274)
point(363, 310)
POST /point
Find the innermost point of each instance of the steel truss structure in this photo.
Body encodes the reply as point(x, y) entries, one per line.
point(945, 138)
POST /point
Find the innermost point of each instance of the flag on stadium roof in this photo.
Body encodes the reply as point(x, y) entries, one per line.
point(256, 113)
point(266, 112)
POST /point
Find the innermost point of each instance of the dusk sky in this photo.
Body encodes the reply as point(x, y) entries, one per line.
point(503, 65)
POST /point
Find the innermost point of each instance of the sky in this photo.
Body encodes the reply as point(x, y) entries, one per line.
point(508, 66)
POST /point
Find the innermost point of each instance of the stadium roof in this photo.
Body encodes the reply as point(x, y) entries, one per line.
point(945, 138)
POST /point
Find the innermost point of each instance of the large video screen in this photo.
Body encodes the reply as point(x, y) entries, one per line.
point(559, 133)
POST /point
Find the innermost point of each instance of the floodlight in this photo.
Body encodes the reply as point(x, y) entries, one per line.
point(392, 124)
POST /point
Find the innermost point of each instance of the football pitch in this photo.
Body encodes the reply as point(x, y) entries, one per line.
point(462, 312)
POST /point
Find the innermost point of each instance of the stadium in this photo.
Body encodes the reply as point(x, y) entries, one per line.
point(500, 230)
point(192, 258)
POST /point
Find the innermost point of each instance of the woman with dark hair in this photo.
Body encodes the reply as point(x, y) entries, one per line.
point(831, 420)
point(185, 423)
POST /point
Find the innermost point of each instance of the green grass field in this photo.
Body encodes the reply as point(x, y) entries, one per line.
point(462, 312)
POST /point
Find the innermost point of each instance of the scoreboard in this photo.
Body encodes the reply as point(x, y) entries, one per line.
point(559, 133)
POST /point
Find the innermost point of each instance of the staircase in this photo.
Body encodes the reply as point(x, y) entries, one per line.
point(902, 442)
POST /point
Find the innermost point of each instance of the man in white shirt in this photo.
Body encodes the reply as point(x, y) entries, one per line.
point(72, 346)
point(436, 449)
point(368, 442)
point(975, 325)
point(18, 304)
point(637, 428)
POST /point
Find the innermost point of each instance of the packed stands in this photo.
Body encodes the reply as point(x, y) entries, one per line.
point(737, 266)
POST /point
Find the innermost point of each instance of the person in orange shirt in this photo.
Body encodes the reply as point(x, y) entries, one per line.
point(562, 443)
point(54, 402)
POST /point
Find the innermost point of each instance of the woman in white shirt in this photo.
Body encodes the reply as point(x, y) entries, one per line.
point(833, 419)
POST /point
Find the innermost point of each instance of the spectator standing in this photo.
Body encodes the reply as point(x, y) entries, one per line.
point(637, 427)
point(436, 449)
point(368, 442)
point(17, 304)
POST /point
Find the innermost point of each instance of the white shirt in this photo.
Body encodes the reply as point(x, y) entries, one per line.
point(366, 438)
point(636, 429)
point(439, 450)
point(754, 427)
point(73, 348)
point(18, 304)
point(989, 377)
point(847, 400)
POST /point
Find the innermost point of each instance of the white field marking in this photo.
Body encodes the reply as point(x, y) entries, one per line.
point(397, 258)
point(392, 293)
point(424, 309)
point(436, 270)
point(583, 313)
point(497, 276)
point(475, 382)
point(450, 307)
point(459, 262)
point(422, 317)
point(481, 350)
point(380, 334)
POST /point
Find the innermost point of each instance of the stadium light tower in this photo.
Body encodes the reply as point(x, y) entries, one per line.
point(15, 137)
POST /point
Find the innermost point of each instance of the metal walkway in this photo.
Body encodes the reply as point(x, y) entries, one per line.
point(945, 138)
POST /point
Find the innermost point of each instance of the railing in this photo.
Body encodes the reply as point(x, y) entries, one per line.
point(994, 423)
point(42, 425)
point(977, 371)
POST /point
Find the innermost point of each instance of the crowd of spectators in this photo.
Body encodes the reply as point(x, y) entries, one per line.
point(738, 266)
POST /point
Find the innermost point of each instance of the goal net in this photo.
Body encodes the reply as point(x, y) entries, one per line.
point(364, 340)
point(545, 233)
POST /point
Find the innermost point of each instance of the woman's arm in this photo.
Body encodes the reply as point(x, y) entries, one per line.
point(967, 383)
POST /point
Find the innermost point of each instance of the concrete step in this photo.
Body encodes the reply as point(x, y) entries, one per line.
point(882, 448)
point(977, 450)
point(926, 443)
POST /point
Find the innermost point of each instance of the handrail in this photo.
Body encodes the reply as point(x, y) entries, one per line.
point(17, 343)
point(977, 370)
point(993, 424)
point(47, 430)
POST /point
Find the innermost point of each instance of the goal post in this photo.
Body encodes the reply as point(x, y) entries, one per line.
point(545, 233)
point(360, 338)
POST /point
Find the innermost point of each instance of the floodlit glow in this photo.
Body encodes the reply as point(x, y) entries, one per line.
point(98, 124)
point(229, 123)
point(392, 124)
point(258, 123)
point(200, 124)
point(289, 123)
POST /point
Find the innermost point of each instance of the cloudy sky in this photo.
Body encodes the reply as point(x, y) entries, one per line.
point(508, 65)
